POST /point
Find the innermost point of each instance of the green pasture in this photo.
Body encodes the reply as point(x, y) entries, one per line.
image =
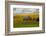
point(20, 25)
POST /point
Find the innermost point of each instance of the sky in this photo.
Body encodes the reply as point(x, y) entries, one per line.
point(24, 10)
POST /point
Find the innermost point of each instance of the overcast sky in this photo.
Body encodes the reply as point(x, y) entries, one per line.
point(20, 10)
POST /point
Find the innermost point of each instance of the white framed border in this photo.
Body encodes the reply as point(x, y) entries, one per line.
point(25, 29)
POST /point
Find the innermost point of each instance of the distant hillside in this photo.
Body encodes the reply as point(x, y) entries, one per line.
point(33, 15)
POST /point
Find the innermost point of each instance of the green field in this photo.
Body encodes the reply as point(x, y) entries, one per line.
point(31, 24)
